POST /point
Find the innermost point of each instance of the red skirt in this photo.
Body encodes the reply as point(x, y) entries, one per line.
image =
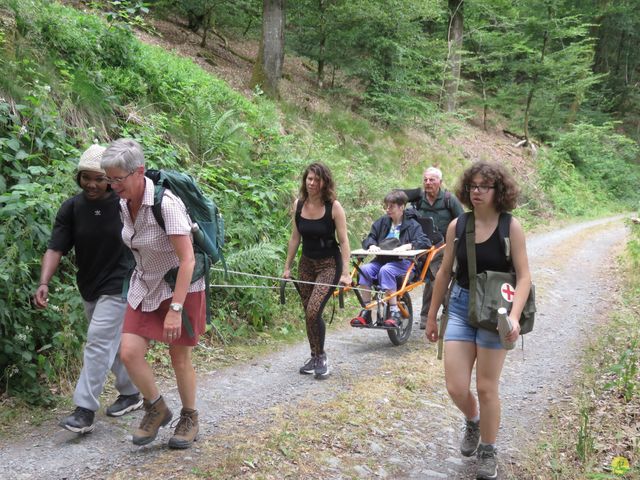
point(150, 325)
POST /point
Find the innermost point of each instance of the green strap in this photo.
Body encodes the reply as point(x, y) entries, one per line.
point(470, 230)
point(186, 323)
point(207, 283)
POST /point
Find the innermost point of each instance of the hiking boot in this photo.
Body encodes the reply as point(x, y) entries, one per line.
point(158, 415)
point(395, 320)
point(471, 438)
point(186, 431)
point(322, 367)
point(487, 462)
point(80, 421)
point(124, 404)
point(363, 318)
point(423, 323)
point(309, 367)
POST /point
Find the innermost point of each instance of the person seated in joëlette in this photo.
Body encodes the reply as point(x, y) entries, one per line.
point(390, 232)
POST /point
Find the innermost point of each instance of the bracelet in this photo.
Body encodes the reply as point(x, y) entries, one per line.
point(45, 284)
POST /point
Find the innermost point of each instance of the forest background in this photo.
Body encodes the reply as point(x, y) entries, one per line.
point(376, 89)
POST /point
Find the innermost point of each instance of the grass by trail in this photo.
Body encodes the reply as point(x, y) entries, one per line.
point(597, 435)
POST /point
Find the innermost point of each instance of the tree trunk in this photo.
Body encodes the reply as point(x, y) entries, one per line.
point(267, 70)
point(454, 59)
point(534, 81)
point(322, 45)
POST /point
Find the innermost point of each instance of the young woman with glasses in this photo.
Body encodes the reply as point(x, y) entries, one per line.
point(488, 189)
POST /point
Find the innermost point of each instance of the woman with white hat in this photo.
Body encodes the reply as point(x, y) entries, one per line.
point(89, 222)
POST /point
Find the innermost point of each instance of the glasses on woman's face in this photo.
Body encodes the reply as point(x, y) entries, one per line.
point(118, 180)
point(480, 188)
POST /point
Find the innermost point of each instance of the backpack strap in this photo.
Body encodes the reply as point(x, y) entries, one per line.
point(504, 225)
point(470, 240)
point(447, 201)
point(460, 229)
point(158, 195)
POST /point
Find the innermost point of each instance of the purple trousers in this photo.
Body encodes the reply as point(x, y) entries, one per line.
point(385, 274)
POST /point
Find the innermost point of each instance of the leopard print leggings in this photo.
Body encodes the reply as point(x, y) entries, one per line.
point(315, 297)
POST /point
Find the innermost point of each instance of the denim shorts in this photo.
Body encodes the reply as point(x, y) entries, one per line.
point(458, 329)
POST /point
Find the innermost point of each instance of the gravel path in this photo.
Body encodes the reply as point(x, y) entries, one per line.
point(574, 272)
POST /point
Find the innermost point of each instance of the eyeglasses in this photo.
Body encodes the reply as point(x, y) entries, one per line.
point(118, 180)
point(479, 188)
point(430, 180)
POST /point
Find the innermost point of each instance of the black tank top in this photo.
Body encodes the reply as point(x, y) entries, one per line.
point(490, 255)
point(318, 236)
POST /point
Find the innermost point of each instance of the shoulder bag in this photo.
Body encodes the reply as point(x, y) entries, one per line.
point(488, 291)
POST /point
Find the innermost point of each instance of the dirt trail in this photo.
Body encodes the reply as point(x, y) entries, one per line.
point(574, 270)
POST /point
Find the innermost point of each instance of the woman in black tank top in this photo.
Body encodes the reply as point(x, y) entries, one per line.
point(489, 190)
point(317, 218)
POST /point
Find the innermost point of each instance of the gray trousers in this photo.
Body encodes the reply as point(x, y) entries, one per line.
point(428, 286)
point(105, 317)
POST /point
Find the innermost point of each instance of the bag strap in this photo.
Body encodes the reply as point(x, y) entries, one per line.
point(470, 231)
point(504, 226)
point(447, 202)
point(158, 195)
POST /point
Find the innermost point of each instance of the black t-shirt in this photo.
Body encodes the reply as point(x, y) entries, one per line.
point(94, 230)
point(490, 256)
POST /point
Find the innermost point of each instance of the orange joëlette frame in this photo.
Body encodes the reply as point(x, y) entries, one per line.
point(406, 286)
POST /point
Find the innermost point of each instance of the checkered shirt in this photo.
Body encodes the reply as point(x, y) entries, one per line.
point(152, 249)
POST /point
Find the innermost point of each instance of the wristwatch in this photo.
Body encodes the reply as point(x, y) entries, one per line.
point(176, 307)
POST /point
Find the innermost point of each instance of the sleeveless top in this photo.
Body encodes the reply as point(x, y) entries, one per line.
point(318, 236)
point(489, 256)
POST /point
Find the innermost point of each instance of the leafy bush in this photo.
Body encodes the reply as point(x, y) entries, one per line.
point(34, 346)
point(590, 169)
point(606, 158)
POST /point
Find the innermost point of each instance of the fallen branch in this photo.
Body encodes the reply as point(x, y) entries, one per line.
point(230, 50)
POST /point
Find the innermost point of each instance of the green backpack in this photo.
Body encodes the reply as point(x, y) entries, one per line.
point(208, 225)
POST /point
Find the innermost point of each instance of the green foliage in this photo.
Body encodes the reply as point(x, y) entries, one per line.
point(625, 371)
point(79, 78)
point(128, 12)
point(584, 445)
point(382, 44)
point(34, 346)
point(590, 169)
point(605, 158)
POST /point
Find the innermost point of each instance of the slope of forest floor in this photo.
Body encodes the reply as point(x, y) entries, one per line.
point(298, 87)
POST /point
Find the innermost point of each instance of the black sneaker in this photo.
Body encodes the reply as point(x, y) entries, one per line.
point(124, 404)
point(309, 367)
point(322, 367)
point(80, 421)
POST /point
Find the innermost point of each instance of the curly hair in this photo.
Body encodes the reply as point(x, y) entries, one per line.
point(506, 189)
point(322, 172)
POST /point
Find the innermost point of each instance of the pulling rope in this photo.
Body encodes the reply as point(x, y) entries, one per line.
point(278, 279)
